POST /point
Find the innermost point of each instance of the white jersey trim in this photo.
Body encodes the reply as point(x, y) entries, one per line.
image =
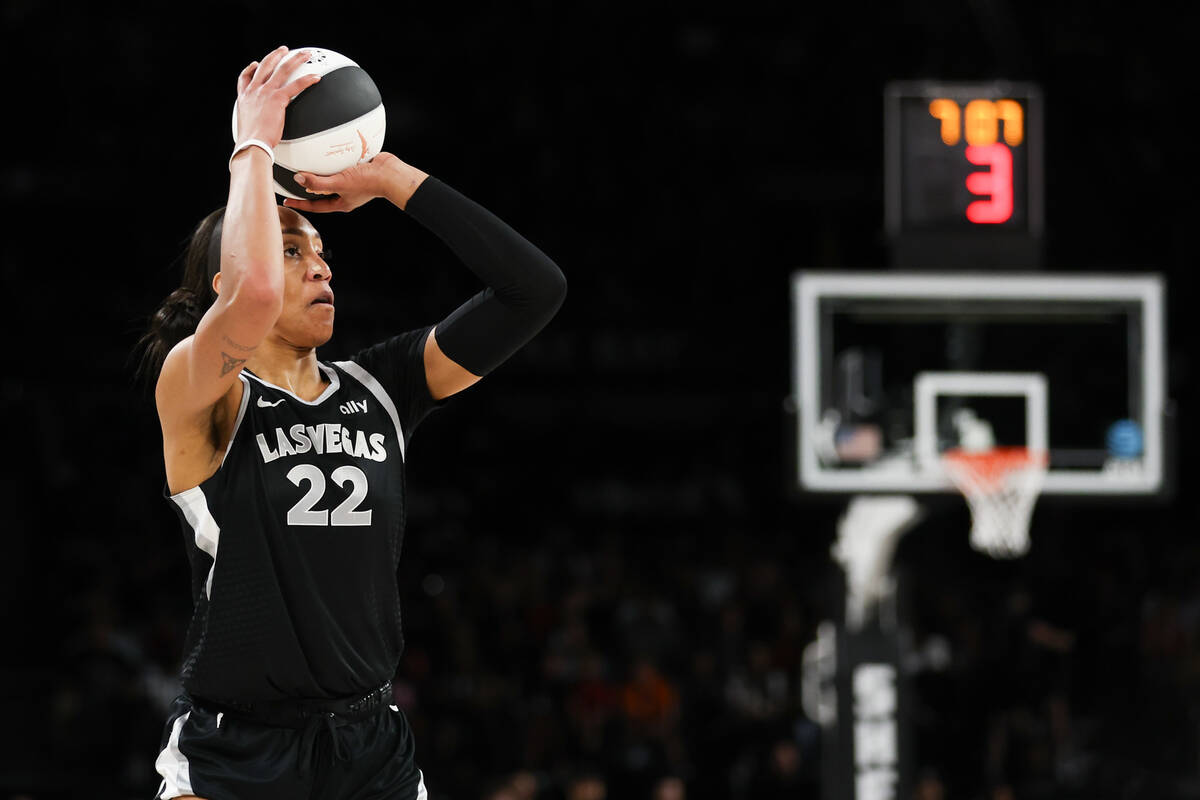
point(173, 765)
point(376, 388)
point(241, 413)
point(194, 506)
point(334, 382)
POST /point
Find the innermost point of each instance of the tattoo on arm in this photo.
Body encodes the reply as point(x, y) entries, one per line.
point(231, 363)
point(237, 346)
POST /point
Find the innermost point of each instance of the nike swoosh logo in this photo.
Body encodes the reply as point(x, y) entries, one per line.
point(264, 404)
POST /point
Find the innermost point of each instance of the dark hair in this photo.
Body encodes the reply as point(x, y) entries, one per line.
point(178, 315)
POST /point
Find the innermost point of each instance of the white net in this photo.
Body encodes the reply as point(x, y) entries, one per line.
point(1001, 486)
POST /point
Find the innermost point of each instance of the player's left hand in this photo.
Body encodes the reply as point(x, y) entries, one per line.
point(353, 187)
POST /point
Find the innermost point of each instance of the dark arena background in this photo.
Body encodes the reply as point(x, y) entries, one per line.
point(610, 577)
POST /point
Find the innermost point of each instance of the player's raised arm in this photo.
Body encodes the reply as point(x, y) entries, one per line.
point(201, 368)
point(524, 287)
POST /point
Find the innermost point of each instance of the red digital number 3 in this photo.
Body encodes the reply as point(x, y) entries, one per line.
point(997, 182)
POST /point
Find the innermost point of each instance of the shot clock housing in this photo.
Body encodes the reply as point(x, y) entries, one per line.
point(963, 174)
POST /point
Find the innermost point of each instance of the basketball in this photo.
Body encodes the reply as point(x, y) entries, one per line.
point(330, 126)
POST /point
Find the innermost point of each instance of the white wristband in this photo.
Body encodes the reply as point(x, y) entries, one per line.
point(252, 143)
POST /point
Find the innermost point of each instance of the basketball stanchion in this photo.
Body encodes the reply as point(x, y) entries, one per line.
point(1001, 486)
point(867, 537)
point(853, 675)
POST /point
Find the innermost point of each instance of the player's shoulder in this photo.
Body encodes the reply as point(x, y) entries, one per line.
point(392, 352)
point(398, 342)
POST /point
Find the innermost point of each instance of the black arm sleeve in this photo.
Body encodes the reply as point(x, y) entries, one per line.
point(524, 287)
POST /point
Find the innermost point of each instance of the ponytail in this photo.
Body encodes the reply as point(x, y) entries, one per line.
point(177, 316)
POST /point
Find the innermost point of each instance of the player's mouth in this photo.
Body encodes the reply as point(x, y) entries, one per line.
point(325, 297)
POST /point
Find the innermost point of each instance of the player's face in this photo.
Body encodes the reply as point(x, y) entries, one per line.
point(307, 316)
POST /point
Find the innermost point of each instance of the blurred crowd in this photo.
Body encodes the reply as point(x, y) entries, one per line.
point(656, 664)
point(1073, 672)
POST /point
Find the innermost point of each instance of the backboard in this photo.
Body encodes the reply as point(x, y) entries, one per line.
point(892, 369)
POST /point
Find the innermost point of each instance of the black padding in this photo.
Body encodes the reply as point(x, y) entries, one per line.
point(524, 287)
point(287, 179)
point(340, 96)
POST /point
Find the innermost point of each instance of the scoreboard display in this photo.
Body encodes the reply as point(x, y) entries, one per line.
point(963, 162)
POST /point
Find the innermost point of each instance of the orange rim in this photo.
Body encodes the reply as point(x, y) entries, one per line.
point(988, 468)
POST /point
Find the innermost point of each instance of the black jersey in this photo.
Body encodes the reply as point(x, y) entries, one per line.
point(295, 540)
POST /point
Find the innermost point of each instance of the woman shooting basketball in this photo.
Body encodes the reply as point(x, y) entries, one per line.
point(288, 472)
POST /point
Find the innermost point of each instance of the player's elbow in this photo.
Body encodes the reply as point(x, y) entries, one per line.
point(556, 290)
point(258, 295)
point(549, 291)
point(542, 306)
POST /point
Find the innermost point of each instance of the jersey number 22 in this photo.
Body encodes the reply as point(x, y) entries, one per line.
point(345, 514)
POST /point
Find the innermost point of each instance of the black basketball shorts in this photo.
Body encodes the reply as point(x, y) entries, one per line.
point(208, 754)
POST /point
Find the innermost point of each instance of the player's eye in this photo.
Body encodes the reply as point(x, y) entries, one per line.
point(290, 249)
point(325, 254)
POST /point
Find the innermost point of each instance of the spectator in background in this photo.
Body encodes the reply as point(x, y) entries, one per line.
point(502, 790)
point(705, 719)
point(649, 625)
point(757, 690)
point(670, 787)
point(782, 779)
point(929, 786)
point(105, 687)
point(650, 710)
point(567, 649)
point(521, 785)
point(587, 786)
point(1031, 721)
point(524, 785)
point(649, 701)
point(591, 706)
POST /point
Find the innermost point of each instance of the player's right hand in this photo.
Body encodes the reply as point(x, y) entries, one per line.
point(264, 93)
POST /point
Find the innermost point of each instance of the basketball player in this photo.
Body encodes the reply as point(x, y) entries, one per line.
point(287, 472)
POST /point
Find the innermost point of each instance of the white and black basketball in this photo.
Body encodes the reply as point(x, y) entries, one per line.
point(332, 125)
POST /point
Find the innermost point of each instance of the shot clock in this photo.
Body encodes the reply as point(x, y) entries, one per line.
point(963, 166)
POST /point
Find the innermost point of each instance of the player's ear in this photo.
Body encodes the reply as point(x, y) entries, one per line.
point(216, 283)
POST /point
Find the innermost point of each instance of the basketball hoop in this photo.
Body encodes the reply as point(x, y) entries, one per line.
point(1001, 486)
